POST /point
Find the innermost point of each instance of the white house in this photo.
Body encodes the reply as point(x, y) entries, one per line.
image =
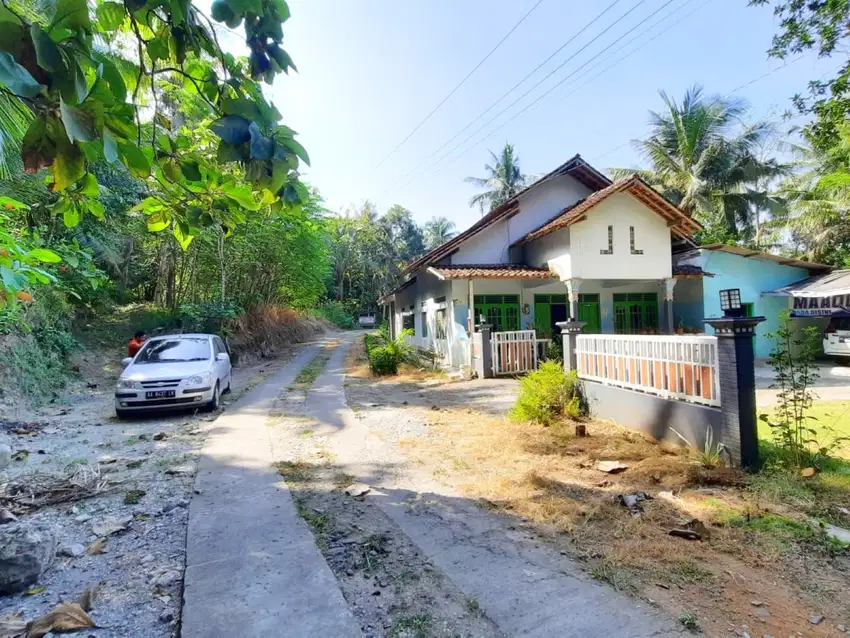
point(573, 244)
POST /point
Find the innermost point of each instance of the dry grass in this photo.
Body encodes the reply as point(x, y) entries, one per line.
point(77, 482)
point(547, 477)
point(264, 329)
point(357, 367)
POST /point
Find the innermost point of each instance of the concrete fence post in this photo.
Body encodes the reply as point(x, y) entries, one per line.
point(570, 331)
point(484, 363)
point(736, 363)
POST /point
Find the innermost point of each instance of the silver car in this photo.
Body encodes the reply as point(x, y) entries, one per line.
point(174, 371)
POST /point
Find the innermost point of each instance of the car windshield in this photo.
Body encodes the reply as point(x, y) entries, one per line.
point(840, 323)
point(174, 351)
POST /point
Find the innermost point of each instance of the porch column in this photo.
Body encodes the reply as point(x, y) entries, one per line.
point(669, 284)
point(573, 286)
point(470, 320)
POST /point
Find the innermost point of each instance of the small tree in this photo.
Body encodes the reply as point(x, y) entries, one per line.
point(792, 361)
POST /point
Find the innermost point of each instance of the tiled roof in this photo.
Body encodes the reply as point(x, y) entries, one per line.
point(576, 167)
point(681, 224)
point(490, 271)
point(686, 271)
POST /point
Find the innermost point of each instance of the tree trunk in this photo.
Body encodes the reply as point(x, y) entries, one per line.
point(221, 262)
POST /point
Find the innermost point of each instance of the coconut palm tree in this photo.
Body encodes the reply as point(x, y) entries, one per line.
point(705, 159)
point(504, 180)
point(438, 231)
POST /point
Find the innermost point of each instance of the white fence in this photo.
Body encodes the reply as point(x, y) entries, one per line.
point(513, 352)
point(675, 367)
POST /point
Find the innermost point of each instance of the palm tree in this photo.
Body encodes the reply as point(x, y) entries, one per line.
point(705, 159)
point(438, 231)
point(504, 180)
point(818, 212)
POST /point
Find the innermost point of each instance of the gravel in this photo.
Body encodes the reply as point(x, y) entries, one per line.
point(141, 569)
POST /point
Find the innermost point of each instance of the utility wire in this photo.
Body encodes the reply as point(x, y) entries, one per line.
point(460, 84)
point(538, 99)
point(511, 90)
point(735, 90)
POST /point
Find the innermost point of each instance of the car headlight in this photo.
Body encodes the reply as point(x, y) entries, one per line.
point(126, 384)
point(199, 379)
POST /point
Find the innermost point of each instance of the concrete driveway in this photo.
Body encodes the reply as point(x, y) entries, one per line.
point(833, 383)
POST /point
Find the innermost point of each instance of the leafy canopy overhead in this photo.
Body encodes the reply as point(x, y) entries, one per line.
point(96, 81)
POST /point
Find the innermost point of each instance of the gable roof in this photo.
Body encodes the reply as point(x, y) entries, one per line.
point(491, 271)
point(680, 223)
point(756, 254)
point(576, 167)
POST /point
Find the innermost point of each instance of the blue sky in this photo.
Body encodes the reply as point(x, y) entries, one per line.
point(370, 70)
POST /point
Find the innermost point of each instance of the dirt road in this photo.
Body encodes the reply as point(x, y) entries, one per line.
point(414, 558)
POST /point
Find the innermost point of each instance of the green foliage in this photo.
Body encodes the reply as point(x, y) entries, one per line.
point(337, 314)
point(368, 253)
point(210, 317)
point(792, 360)
point(547, 394)
point(554, 352)
point(504, 180)
point(438, 231)
point(34, 351)
point(820, 26)
point(385, 354)
point(83, 105)
point(690, 621)
point(706, 161)
point(383, 361)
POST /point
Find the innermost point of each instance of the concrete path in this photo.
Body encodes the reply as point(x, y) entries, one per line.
point(252, 567)
point(522, 585)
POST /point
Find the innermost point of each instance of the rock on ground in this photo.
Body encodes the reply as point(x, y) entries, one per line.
point(26, 551)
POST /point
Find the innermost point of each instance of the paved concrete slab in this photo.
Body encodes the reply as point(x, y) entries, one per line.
point(524, 586)
point(252, 566)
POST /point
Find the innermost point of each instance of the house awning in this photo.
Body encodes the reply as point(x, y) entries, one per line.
point(390, 296)
point(688, 271)
point(491, 271)
point(818, 296)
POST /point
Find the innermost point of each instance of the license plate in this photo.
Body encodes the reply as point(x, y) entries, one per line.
point(160, 394)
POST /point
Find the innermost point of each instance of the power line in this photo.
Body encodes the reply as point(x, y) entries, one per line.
point(460, 84)
point(582, 68)
point(512, 89)
point(735, 90)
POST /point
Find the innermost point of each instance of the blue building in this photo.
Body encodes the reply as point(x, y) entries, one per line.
point(718, 267)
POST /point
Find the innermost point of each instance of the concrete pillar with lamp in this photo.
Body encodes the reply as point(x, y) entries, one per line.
point(736, 363)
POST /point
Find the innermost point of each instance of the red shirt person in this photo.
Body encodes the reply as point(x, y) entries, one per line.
point(136, 343)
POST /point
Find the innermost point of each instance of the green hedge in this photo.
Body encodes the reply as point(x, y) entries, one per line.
point(547, 394)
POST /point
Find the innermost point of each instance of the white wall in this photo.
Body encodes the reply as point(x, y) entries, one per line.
point(537, 207)
point(589, 237)
point(551, 251)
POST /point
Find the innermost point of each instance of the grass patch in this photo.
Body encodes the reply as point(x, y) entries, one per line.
point(295, 471)
point(414, 626)
point(312, 370)
point(474, 607)
point(689, 572)
point(374, 548)
point(607, 572)
point(320, 523)
point(690, 621)
point(829, 419)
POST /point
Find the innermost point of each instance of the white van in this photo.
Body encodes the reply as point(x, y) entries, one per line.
point(836, 337)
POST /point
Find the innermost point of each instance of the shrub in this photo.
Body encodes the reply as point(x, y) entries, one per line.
point(793, 362)
point(385, 354)
point(553, 352)
point(337, 314)
point(382, 360)
point(547, 394)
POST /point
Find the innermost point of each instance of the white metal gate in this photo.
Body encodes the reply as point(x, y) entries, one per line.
point(513, 352)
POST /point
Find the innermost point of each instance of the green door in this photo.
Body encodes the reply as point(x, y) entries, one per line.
point(588, 311)
point(502, 311)
point(635, 312)
point(542, 319)
point(549, 309)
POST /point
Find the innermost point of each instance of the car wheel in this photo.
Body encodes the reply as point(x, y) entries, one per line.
point(212, 406)
point(122, 414)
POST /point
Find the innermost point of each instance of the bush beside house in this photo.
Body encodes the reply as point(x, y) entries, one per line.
point(548, 394)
